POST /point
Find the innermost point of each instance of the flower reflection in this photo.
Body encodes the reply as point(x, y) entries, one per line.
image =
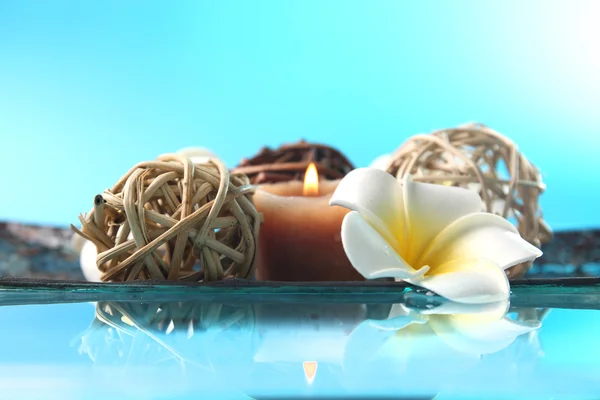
point(477, 329)
point(426, 345)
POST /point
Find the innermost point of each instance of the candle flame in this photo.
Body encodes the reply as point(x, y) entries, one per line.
point(311, 181)
point(310, 370)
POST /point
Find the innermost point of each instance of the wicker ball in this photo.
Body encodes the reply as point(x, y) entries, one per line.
point(171, 219)
point(290, 161)
point(479, 158)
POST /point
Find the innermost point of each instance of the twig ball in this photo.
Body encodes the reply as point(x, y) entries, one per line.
point(290, 161)
point(476, 157)
point(172, 219)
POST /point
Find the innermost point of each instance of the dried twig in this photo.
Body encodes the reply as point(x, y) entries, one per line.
point(289, 162)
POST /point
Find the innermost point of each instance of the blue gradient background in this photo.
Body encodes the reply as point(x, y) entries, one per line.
point(87, 89)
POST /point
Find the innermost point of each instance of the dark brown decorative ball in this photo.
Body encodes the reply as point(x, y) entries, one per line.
point(290, 161)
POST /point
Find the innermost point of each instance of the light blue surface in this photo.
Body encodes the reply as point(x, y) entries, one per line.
point(87, 89)
point(258, 349)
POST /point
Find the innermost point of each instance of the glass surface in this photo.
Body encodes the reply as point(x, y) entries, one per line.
point(179, 343)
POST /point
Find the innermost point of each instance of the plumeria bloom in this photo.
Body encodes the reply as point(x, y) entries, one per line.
point(87, 260)
point(428, 235)
point(381, 162)
point(87, 257)
point(198, 155)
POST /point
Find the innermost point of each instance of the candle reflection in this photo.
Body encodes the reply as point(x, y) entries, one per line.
point(310, 370)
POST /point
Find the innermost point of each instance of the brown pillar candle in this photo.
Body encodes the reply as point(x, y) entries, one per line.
point(300, 238)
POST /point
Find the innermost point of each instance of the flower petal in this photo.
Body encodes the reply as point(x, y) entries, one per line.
point(398, 318)
point(363, 344)
point(500, 329)
point(467, 281)
point(481, 236)
point(198, 155)
point(430, 208)
point(77, 242)
point(377, 196)
point(87, 260)
point(370, 254)
point(369, 336)
point(465, 334)
point(478, 311)
point(381, 162)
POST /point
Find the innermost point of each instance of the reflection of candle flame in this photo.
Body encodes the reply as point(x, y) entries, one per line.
point(311, 181)
point(310, 370)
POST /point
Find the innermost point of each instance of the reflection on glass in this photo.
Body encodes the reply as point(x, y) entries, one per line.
point(416, 348)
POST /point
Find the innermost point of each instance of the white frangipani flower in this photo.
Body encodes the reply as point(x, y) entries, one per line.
point(87, 257)
point(198, 155)
point(87, 260)
point(381, 162)
point(432, 236)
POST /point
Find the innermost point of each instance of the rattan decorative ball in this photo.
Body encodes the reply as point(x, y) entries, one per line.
point(477, 157)
point(290, 161)
point(172, 219)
